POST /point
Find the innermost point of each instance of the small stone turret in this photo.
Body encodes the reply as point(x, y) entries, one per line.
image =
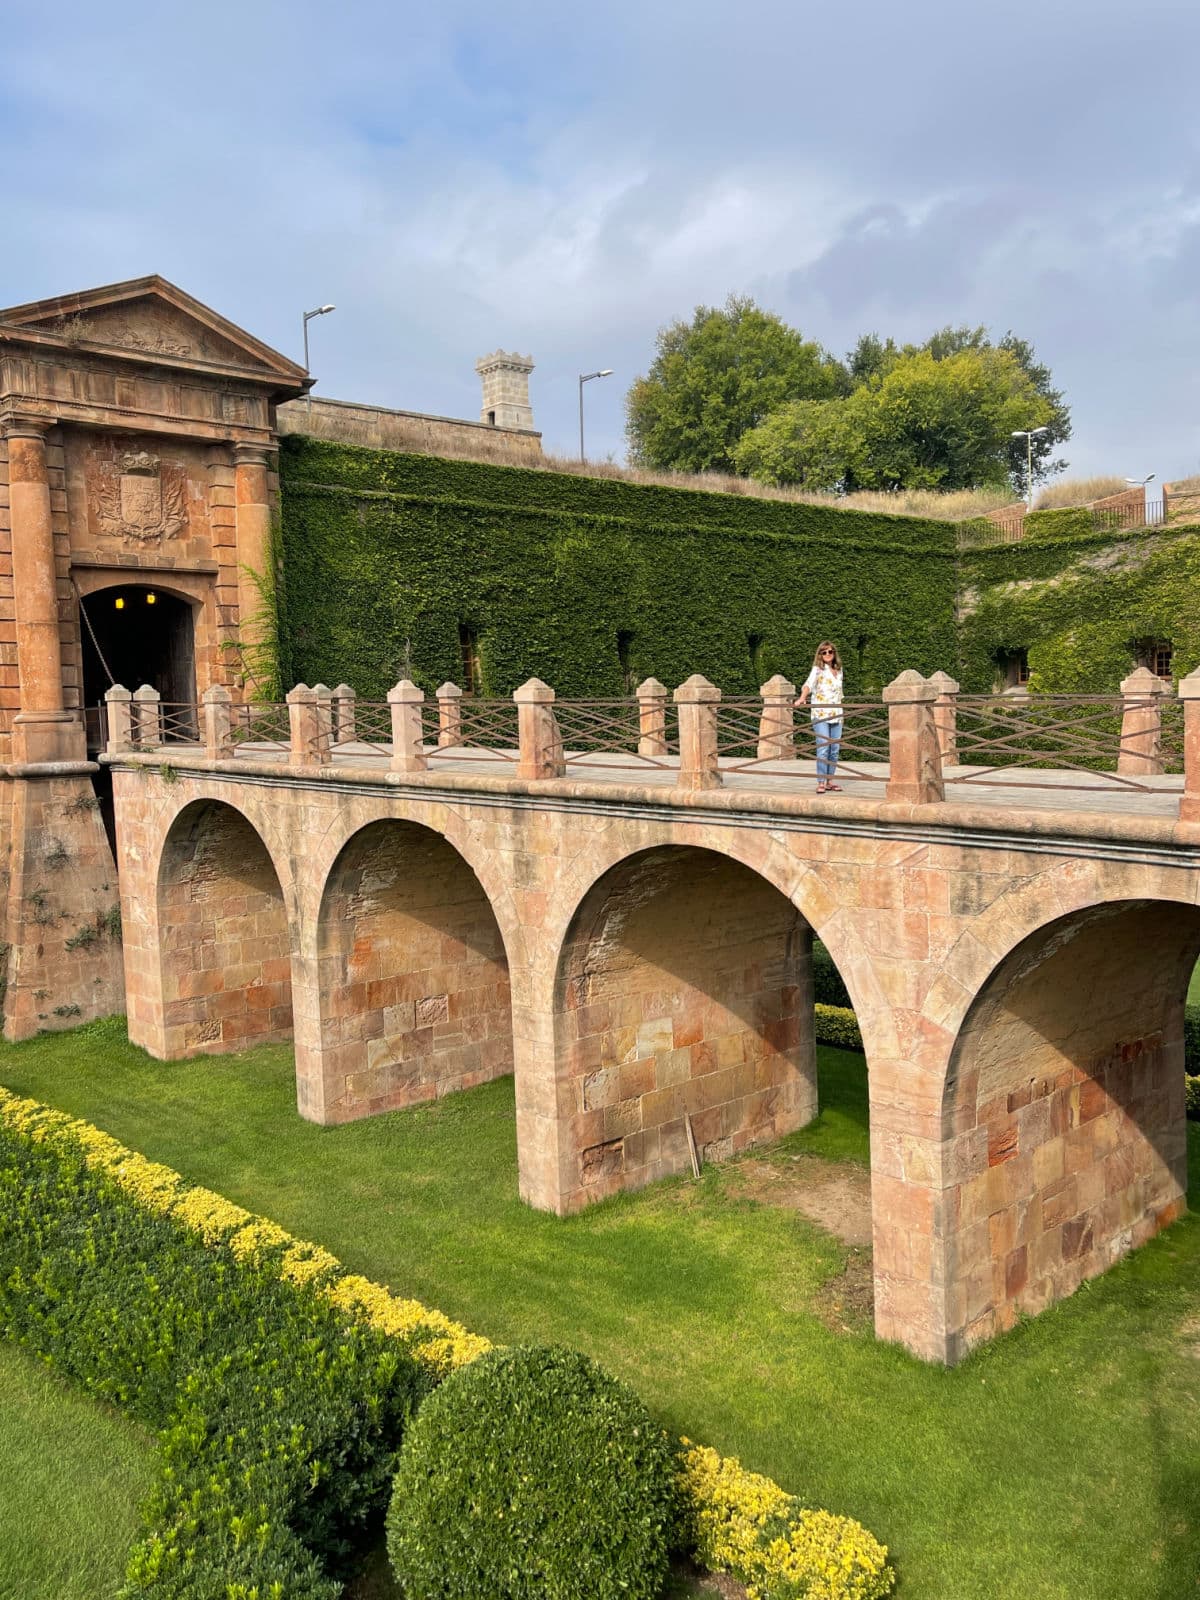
point(505, 378)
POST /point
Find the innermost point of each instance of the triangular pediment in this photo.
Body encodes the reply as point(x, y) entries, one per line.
point(152, 317)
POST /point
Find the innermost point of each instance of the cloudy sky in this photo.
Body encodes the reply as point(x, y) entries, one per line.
point(564, 179)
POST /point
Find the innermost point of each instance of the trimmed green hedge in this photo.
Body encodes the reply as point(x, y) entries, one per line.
point(280, 1417)
point(828, 987)
point(533, 1475)
point(837, 1025)
point(590, 584)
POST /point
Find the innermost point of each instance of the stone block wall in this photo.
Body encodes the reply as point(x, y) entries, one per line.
point(226, 954)
point(1073, 1060)
point(686, 992)
point(62, 926)
point(414, 986)
point(379, 428)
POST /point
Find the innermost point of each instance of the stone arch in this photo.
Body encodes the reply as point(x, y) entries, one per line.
point(411, 974)
point(1064, 1108)
point(224, 940)
point(682, 992)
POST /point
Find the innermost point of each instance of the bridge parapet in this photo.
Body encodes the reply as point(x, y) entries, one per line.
point(921, 742)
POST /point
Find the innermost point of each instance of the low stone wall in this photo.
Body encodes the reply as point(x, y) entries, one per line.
point(378, 428)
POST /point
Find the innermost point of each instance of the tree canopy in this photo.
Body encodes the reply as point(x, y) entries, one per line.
point(716, 377)
point(737, 390)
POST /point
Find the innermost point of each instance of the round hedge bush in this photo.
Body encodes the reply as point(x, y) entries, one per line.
point(532, 1475)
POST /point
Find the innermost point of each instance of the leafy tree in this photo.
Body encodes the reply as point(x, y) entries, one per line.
point(870, 358)
point(818, 444)
point(919, 423)
point(716, 377)
point(950, 341)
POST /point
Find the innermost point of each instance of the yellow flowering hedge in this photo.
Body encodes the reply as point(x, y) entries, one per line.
point(735, 1521)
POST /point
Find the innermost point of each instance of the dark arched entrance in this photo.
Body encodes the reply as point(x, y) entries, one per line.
point(135, 634)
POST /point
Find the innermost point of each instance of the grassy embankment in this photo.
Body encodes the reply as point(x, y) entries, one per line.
point(1060, 1463)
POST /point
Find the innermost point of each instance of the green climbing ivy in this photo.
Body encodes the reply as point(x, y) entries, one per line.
point(387, 556)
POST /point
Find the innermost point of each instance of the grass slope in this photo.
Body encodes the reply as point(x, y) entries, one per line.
point(1060, 1463)
point(72, 1474)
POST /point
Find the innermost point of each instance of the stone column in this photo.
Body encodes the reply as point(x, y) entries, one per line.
point(43, 729)
point(915, 762)
point(252, 502)
point(1189, 693)
point(218, 722)
point(120, 720)
point(652, 717)
point(776, 741)
point(308, 747)
point(449, 716)
point(147, 718)
point(541, 750)
point(344, 719)
point(697, 701)
point(324, 697)
point(408, 748)
point(1141, 723)
point(945, 717)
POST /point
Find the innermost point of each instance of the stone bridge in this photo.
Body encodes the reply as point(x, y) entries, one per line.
point(636, 948)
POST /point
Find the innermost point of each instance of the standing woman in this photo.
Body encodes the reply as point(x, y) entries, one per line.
point(824, 685)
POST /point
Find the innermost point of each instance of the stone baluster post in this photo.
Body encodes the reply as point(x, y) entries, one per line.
point(408, 745)
point(118, 700)
point(541, 748)
point(147, 718)
point(1189, 693)
point(449, 716)
point(776, 728)
point(217, 712)
point(324, 695)
point(652, 717)
point(945, 717)
point(309, 747)
point(1141, 723)
point(915, 762)
point(697, 702)
point(343, 706)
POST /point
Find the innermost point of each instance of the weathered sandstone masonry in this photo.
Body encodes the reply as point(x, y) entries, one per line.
point(136, 496)
point(639, 951)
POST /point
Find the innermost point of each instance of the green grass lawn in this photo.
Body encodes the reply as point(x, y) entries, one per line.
point(1061, 1461)
point(72, 1475)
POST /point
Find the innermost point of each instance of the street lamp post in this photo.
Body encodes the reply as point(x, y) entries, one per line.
point(320, 311)
point(1028, 435)
point(586, 377)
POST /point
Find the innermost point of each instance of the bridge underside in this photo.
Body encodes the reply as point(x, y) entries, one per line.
point(642, 963)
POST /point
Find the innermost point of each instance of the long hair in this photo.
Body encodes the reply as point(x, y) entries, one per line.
point(828, 644)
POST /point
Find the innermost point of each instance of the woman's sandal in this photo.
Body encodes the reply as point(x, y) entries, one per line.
point(836, 786)
point(821, 788)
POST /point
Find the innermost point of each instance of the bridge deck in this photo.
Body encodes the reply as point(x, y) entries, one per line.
point(1007, 789)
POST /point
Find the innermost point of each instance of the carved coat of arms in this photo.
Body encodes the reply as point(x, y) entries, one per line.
point(139, 505)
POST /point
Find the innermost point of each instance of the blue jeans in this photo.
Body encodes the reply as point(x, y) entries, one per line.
point(829, 743)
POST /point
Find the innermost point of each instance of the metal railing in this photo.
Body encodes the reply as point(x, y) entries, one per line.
point(1030, 742)
point(1011, 529)
point(261, 723)
point(591, 729)
point(489, 725)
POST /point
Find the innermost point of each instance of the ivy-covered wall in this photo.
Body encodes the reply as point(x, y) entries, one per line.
point(1077, 602)
point(594, 584)
point(385, 556)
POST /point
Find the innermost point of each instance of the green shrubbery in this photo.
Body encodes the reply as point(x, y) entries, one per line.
point(837, 1025)
point(280, 1417)
point(591, 584)
point(1193, 1095)
point(533, 1475)
point(828, 988)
